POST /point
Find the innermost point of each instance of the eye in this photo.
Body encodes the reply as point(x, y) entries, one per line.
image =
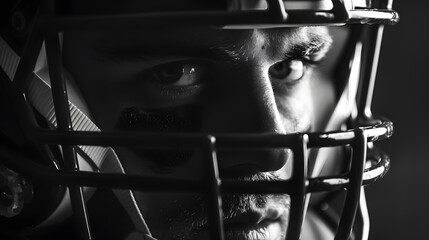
point(177, 74)
point(287, 71)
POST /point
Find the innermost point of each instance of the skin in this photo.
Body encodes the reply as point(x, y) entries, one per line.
point(233, 86)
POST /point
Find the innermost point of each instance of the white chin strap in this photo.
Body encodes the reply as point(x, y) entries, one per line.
point(104, 158)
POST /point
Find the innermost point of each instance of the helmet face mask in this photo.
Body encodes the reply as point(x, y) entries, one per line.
point(173, 117)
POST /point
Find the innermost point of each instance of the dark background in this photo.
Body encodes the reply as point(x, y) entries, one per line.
point(399, 204)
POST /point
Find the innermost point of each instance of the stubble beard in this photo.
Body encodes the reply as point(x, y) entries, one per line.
point(187, 218)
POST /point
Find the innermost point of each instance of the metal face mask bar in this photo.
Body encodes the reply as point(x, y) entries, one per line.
point(239, 14)
point(297, 187)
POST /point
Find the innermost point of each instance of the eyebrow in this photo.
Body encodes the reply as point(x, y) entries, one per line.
point(312, 47)
point(303, 42)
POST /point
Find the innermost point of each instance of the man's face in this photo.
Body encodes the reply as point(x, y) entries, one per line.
point(202, 79)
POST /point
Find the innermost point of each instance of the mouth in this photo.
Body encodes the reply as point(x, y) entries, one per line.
point(269, 224)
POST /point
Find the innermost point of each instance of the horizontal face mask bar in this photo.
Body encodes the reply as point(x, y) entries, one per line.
point(276, 14)
point(224, 141)
point(199, 141)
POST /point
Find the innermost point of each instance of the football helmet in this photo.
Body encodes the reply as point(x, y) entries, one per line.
point(55, 156)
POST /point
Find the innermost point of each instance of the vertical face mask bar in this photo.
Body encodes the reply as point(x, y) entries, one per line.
point(24, 74)
point(278, 9)
point(351, 204)
point(364, 216)
point(371, 51)
point(298, 183)
point(64, 123)
point(372, 47)
point(60, 98)
point(215, 215)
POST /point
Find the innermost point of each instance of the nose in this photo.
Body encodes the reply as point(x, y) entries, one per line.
point(244, 103)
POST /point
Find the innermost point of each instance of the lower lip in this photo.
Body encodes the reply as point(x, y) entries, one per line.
point(266, 230)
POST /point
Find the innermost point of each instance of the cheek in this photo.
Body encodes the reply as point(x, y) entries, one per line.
point(296, 111)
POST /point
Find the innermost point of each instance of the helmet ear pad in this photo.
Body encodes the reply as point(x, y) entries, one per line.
point(37, 198)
